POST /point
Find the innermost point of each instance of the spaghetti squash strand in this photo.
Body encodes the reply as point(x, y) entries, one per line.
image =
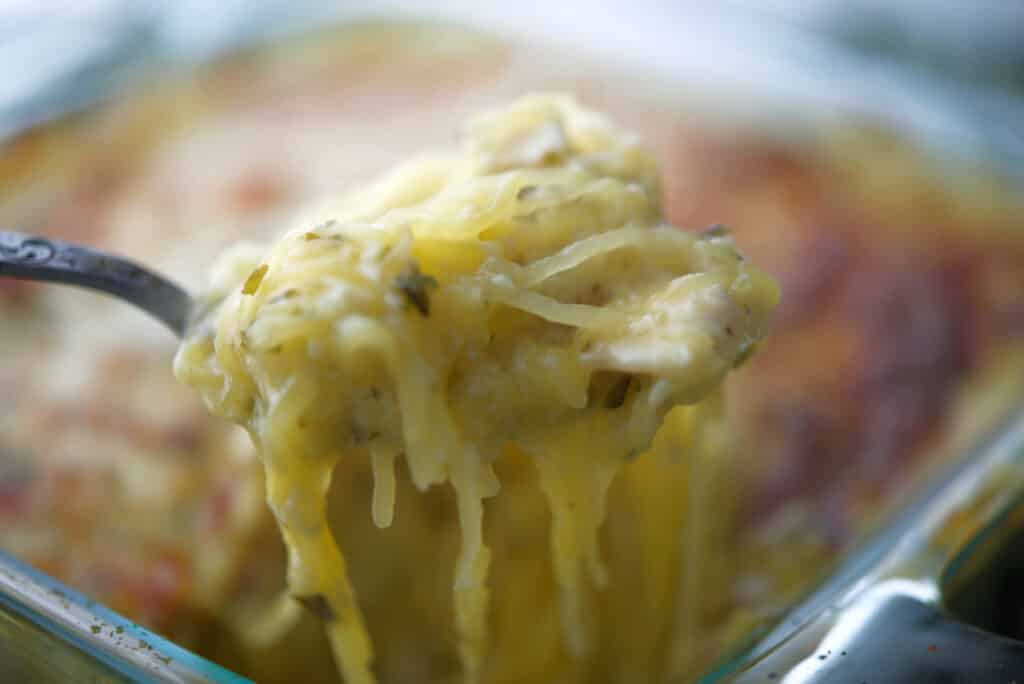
point(382, 460)
point(472, 481)
point(317, 575)
point(521, 295)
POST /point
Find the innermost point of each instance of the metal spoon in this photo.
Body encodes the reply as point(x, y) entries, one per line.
point(37, 258)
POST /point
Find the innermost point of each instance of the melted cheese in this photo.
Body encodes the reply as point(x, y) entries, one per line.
point(521, 292)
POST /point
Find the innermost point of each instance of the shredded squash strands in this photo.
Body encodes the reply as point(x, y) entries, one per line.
point(518, 296)
point(473, 482)
point(383, 460)
point(575, 481)
point(706, 445)
point(597, 245)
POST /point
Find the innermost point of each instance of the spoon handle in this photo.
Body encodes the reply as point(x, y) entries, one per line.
point(36, 258)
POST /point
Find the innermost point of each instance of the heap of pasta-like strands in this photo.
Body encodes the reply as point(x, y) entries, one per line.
point(522, 294)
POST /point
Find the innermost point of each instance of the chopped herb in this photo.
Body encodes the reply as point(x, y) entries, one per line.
point(317, 605)
point(95, 629)
point(715, 230)
point(252, 283)
point(361, 436)
point(414, 286)
point(119, 629)
point(526, 192)
point(616, 396)
point(291, 293)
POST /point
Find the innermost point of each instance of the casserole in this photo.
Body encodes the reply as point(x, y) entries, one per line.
point(885, 275)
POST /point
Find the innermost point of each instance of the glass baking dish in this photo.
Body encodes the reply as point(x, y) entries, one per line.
point(933, 533)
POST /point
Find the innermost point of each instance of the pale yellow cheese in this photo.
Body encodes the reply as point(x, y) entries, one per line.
point(521, 292)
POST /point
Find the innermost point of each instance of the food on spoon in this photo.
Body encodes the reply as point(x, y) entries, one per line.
point(518, 299)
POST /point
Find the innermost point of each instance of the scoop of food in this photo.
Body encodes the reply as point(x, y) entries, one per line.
point(521, 293)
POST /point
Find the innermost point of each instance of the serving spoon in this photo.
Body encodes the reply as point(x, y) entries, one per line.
point(31, 257)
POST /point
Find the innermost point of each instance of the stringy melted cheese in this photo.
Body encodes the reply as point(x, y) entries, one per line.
point(521, 293)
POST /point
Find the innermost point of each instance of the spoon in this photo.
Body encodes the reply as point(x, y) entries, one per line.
point(31, 257)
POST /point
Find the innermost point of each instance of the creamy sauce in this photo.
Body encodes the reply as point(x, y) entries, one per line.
point(520, 293)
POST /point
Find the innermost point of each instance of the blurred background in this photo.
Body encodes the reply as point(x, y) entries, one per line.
point(940, 52)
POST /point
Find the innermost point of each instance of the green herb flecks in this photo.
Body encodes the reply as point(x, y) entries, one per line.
point(317, 605)
point(252, 283)
point(714, 231)
point(415, 287)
